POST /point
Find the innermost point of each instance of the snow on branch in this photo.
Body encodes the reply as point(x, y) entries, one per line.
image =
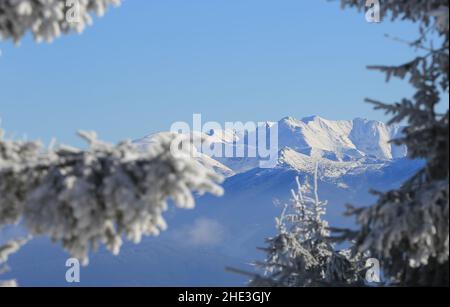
point(48, 19)
point(10, 248)
point(83, 198)
point(6, 250)
point(413, 10)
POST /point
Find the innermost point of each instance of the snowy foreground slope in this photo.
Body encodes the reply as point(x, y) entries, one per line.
point(354, 156)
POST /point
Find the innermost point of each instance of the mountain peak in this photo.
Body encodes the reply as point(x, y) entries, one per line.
point(294, 122)
point(313, 118)
point(340, 140)
point(289, 121)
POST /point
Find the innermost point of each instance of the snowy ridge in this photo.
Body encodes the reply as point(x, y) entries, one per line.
point(340, 140)
point(202, 158)
point(340, 145)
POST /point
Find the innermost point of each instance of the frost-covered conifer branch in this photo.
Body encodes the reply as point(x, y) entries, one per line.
point(83, 198)
point(10, 248)
point(6, 250)
point(426, 12)
point(48, 19)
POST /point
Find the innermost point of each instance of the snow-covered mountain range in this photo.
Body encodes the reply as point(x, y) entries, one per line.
point(338, 144)
point(354, 156)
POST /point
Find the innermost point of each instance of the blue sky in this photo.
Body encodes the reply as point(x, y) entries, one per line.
point(150, 63)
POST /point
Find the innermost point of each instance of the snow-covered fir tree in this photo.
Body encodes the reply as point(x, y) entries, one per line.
point(302, 254)
point(48, 19)
point(408, 228)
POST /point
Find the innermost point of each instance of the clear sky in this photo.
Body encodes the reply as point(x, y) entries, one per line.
point(150, 63)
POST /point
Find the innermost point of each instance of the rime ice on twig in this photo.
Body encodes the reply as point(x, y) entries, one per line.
point(83, 198)
point(47, 20)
